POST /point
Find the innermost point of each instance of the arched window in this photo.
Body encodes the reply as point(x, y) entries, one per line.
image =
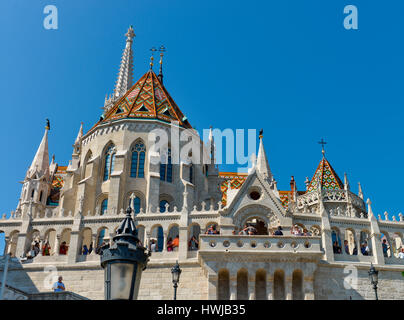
point(104, 206)
point(166, 168)
point(109, 161)
point(191, 173)
point(163, 205)
point(136, 204)
point(138, 159)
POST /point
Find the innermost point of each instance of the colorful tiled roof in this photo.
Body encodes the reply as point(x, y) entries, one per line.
point(285, 196)
point(236, 181)
point(147, 99)
point(327, 177)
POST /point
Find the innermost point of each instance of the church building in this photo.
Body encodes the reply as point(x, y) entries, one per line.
point(235, 236)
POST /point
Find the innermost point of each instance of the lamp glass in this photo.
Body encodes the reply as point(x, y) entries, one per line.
point(121, 280)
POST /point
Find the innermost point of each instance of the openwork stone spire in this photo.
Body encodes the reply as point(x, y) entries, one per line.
point(125, 75)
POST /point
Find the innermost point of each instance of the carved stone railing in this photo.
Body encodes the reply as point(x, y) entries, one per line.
point(307, 199)
point(260, 244)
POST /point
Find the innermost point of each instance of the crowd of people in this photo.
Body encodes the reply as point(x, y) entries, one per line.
point(250, 230)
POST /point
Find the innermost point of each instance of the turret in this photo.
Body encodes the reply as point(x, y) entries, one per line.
point(262, 161)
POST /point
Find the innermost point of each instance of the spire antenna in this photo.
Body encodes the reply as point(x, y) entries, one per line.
point(153, 49)
point(322, 142)
point(47, 127)
point(162, 49)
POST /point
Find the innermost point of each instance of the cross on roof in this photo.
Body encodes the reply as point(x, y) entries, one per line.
point(322, 142)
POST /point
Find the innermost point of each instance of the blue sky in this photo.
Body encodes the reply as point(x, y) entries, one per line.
point(286, 66)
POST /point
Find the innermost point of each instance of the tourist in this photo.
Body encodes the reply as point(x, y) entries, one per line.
point(401, 254)
point(336, 248)
point(364, 249)
point(36, 248)
point(251, 230)
point(193, 243)
point(176, 243)
point(170, 244)
point(295, 230)
point(244, 231)
point(63, 248)
point(59, 286)
point(46, 249)
point(346, 247)
point(91, 248)
point(85, 250)
point(278, 232)
point(385, 247)
point(306, 233)
point(153, 246)
point(355, 251)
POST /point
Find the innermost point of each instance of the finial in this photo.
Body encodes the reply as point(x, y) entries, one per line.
point(153, 49)
point(161, 50)
point(130, 34)
point(47, 127)
point(322, 142)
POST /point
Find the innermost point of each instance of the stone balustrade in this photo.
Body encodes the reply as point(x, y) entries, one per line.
point(263, 244)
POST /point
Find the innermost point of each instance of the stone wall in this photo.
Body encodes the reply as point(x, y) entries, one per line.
point(329, 284)
point(156, 283)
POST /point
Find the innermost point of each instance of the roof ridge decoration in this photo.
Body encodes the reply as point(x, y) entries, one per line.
point(326, 175)
point(147, 99)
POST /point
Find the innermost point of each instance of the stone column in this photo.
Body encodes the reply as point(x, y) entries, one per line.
point(288, 287)
point(183, 247)
point(270, 285)
point(74, 248)
point(251, 288)
point(233, 287)
point(212, 286)
point(358, 242)
point(165, 233)
point(308, 288)
point(94, 242)
point(57, 244)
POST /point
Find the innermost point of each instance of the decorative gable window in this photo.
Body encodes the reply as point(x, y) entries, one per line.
point(104, 206)
point(138, 160)
point(109, 162)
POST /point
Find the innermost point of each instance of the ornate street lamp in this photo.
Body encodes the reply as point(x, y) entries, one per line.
point(374, 278)
point(123, 262)
point(176, 272)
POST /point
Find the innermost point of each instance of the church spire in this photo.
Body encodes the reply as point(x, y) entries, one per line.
point(125, 75)
point(262, 161)
point(40, 163)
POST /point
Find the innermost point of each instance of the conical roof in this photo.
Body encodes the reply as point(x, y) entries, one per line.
point(40, 163)
point(327, 177)
point(147, 99)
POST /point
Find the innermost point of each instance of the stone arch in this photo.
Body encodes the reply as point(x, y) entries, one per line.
point(172, 232)
point(194, 230)
point(297, 285)
point(212, 223)
point(336, 240)
point(163, 200)
point(242, 284)
point(130, 159)
point(157, 234)
point(260, 284)
point(138, 194)
point(365, 242)
point(279, 285)
point(86, 167)
point(50, 238)
point(102, 236)
point(350, 237)
point(103, 167)
point(86, 238)
point(260, 225)
point(259, 211)
point(65, 236)
point(390, 244)
point(397, 239)
point(223, 285)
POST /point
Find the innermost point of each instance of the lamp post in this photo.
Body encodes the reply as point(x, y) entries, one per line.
point(176, 272)
point(374, 278)
point(123, 262)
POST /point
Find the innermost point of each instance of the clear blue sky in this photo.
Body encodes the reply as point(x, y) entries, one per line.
point(286, 66)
